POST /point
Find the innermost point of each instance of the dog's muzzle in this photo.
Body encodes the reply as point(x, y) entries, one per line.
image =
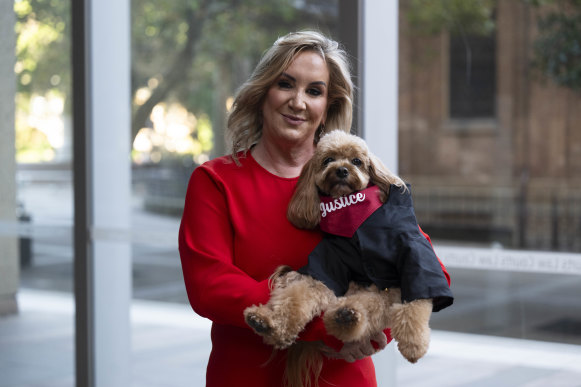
point(342, 172)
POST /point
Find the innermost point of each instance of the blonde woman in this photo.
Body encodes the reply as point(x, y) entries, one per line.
point(234, 231)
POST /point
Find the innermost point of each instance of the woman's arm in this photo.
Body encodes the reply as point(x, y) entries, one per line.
point(217, 289)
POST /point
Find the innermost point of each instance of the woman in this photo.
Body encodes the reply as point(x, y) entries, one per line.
point(234, 232)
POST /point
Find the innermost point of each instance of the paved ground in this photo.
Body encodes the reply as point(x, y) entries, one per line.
point(171, 345)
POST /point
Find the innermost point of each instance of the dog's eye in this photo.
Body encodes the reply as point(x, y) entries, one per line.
point(356, 162)
point(328, 160)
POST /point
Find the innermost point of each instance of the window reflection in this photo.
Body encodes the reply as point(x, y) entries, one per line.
point(489, 141)
point(188, 59)
point(487, 136)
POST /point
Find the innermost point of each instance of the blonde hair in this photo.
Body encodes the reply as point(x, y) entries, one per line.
point(244, 128)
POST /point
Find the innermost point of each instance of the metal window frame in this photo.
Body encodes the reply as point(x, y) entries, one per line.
point(83, 286)
point(101, 181)
point(378, 34)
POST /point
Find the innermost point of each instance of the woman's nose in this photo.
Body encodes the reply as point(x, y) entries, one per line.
point(297, 101)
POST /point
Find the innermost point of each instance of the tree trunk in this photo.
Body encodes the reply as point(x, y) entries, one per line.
point(176, 73)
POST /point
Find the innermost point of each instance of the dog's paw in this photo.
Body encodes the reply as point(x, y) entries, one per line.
point(412, 351)
point(259, 324)
point(345, 323)
point(268, 329)
point(409, 324)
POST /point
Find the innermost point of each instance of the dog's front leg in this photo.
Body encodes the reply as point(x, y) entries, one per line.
point(409, 324)
point(290, 308)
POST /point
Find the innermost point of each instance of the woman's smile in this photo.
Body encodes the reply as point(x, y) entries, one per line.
point(293, 120)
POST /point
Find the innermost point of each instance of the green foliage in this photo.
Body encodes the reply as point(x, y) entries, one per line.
point(234, 35)
point(43, 72)
point(202, 69)
point(557, 49)
point(474, 17)
point(43, 45)
point(193, 52)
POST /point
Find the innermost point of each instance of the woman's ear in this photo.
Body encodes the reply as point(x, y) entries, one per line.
point(382, 177)
point(304, 207)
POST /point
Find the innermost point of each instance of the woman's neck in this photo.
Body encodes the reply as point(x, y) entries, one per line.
point(283, 162)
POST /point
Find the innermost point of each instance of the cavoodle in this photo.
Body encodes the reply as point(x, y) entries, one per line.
point(373, 270)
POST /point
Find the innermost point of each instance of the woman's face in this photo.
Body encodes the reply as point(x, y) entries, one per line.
point(296, 103)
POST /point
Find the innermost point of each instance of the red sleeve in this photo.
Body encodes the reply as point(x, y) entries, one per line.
point(315, 331)
point(216, 288)
point(441, 264)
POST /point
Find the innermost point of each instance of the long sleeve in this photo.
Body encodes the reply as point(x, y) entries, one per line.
point(217, 289)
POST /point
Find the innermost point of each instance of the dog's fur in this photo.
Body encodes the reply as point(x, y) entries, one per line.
point(341, 165)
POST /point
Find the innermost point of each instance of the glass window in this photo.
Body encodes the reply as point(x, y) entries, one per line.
point(188, 59)
point(500, 199)
point(187, 63)
point(36, 201)
point(472, 76)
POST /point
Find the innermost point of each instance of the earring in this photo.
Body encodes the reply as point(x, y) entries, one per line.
point(320, 132)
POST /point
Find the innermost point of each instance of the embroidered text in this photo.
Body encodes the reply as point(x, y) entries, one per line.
point(342, 202)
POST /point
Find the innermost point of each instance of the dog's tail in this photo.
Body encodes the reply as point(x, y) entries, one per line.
point(303, 365)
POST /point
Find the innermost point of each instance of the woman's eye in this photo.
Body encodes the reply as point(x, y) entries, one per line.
point(356, 162)
point(284, 84)
point(328, 160)
point(314, 92)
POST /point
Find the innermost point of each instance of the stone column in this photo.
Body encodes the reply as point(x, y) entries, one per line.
point(9, 262)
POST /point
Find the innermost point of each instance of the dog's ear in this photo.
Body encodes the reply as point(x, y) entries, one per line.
point(382, 177)
point(304, 207)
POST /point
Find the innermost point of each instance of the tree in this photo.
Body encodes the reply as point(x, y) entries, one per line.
point(557, 48)
point(195, 52)
point(43, 43)
point(217, 44)
point(459, 17)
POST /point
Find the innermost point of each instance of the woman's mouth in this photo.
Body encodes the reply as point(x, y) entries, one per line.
point(293, 120)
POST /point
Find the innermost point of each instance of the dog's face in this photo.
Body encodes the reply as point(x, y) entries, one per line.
point(342, 164)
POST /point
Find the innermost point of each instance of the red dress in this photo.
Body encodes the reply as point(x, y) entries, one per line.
point(234, 233)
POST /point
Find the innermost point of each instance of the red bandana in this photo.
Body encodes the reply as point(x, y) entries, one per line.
point(344, 215)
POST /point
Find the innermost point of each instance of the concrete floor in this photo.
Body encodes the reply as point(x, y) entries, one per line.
point(170, 346)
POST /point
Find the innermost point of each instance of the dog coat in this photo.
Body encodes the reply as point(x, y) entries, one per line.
point(373, 243)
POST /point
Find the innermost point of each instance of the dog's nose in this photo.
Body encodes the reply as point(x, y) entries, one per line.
point(342, 172)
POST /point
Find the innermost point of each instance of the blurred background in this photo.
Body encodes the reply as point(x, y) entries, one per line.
point(489, 136)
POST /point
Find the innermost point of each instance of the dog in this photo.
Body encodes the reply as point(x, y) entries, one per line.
point(366, 213)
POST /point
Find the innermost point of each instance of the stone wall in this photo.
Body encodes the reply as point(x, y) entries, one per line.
point(536, 132)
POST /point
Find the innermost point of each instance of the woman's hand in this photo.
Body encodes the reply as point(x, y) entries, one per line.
point(357, 350)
